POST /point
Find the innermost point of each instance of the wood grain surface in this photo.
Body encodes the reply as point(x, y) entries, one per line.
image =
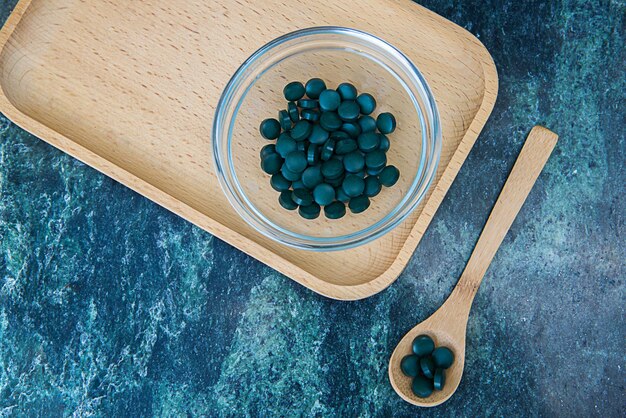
point(131, 88)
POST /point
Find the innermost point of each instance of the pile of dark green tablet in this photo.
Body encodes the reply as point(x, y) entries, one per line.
point(329, 151)
point(427, 366)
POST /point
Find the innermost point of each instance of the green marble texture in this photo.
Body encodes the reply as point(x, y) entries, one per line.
point(112, 306)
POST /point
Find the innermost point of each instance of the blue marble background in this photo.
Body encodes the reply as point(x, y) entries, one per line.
point(112, 306)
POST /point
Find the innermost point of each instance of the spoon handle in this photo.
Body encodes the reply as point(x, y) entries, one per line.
point(529, 164)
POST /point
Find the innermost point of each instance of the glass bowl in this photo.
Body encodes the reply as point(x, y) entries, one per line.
point(336, 55)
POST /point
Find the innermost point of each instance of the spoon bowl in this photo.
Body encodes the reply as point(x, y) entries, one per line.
point(448, 324)
point(446, 330)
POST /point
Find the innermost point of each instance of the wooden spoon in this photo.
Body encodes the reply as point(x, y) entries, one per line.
point(448, 324)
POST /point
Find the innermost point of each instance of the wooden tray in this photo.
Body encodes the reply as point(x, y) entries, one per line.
point(130, 89)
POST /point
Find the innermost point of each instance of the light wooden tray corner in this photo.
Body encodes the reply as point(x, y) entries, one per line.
point(131, 90)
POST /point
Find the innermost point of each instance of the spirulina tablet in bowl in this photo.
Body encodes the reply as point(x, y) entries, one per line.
point(312, 115)
point(314, 87)
point(353, 185)
point(354, 162)
point(312, 154)
point(318, 135)
point(332, 169)
point(359, 204)
point(288, 174)
point(311, 211)
point(312, 176)
point(347, 91)
point(368, 142)
point(372, 186)
point(294, 91)
point(286, 200)
point(367, 103)
point(324, 194)
point(345, 146)
point(329, 100)
point(301, 130)
point(302, 197)
point(284, 120)
point(285, 145)
point(280, 183)
point(330, 121)
point(367, 123)
point(351, 128)
point(294, 113)
point(270, 128)
point(384, 143)
point(328, 149)
point(389, 176)
point(348, 111)
point(267, 150)
point(386, 123)
point(341, 195)
point(335, 210)
point(308, 104)
point(376, 159)
point(272, 163)
point(296, 161)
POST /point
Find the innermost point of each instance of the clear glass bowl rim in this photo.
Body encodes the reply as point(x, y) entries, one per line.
point(222, 155)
